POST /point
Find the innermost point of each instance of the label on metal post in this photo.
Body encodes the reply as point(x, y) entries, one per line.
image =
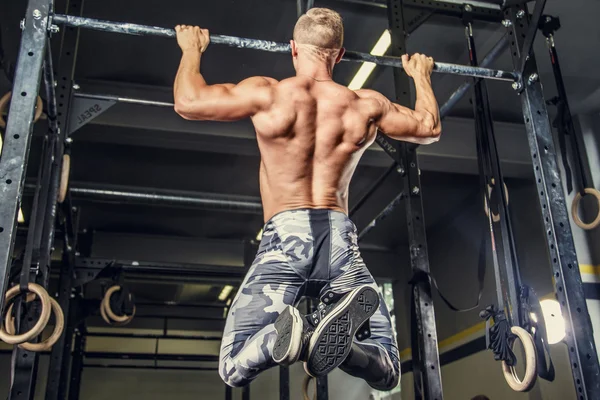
point(85, 110)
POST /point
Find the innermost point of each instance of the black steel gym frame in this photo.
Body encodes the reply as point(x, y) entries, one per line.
point(35, 62)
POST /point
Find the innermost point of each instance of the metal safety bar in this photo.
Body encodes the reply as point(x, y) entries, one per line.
point(274, 47)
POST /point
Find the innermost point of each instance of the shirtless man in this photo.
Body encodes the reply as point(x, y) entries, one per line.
point(311, 133)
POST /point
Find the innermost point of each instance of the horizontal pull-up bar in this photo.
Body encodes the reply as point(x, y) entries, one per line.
point(275, 47)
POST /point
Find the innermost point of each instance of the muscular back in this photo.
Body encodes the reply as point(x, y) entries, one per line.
point(311, 133)
point(311, 139)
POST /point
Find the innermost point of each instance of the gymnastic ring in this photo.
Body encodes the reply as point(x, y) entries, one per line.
point(575, 210)
point(510, 374)
point(64, 178)
point(46, 344)
point(305, 385)
point(495, 217)
point(4, 103)
point(109, 312)
point(39, 326)
point(111, 322)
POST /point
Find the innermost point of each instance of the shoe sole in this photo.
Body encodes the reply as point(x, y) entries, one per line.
point(289, 333)
point(331, 342)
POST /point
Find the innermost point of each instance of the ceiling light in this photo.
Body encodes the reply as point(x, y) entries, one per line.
point(259, 235)
point(555, 323)
point(367, 68)
point(225, 292)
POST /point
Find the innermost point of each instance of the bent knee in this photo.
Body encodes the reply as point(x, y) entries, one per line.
point(231, 376)
point(390, 383)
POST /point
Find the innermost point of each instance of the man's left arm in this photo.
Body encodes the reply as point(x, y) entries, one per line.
point(197, 100)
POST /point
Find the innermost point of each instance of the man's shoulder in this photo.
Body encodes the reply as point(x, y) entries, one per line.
point(259, 81)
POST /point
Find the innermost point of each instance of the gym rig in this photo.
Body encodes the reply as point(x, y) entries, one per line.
point(53, 211)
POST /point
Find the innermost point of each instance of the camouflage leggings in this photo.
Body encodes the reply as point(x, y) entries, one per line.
point(303, 253)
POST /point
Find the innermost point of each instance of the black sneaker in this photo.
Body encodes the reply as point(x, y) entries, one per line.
point(331, 341)
point(293, 334)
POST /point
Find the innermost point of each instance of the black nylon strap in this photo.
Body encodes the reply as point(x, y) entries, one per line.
point(481, 271)
point(563, 132)
point(537, 328)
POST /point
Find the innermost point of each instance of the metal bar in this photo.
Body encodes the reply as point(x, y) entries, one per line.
point(157, 367)
point(463, 89)
point(150, 356)
point(382, 215)
point(284, 383)
point(120, 99)
point(203, 201)
point(372, 189)
point(77, 363)
point(179, 305)
point(427, 344)
point(150, 336)
point(13, 165)
point(228, 392)
point(275, 47)
point(559, 238)
point(148, 267)
point(179, 317)
point(533, 28)
point(246, 392)
point(454, 98)
point(15, 151)
point(322, 388)
point(60, 358)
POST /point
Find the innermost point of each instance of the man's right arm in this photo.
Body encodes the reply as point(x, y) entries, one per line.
point(421, 125)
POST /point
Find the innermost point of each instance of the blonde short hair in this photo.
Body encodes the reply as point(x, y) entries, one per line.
point(320, 27)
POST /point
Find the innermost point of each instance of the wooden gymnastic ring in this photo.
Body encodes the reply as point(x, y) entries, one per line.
point(305, 385)
point(45, 345)
point(5, 100)
point(64, 178)
point(510, 374)
point(105, 306)
point(575, 210)
point(39, 326)
point(111, 322)
point(495, 217)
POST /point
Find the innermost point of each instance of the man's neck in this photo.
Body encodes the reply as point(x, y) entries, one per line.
point(320, 71)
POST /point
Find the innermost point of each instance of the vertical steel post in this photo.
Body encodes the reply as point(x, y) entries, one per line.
point(559, 238)
point(13, 160)
point(322, 388)
point(284, 383)
point(60, 358)
point(426, 347)
point(58, 370)
point(77, 362)
point(246, 392)
point(13, 163)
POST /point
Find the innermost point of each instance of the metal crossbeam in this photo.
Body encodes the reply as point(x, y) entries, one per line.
point(275, 47)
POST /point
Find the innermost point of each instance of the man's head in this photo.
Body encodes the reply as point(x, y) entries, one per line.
point(319, 34)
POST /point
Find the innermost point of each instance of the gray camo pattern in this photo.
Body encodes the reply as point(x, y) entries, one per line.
point(279, 276)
